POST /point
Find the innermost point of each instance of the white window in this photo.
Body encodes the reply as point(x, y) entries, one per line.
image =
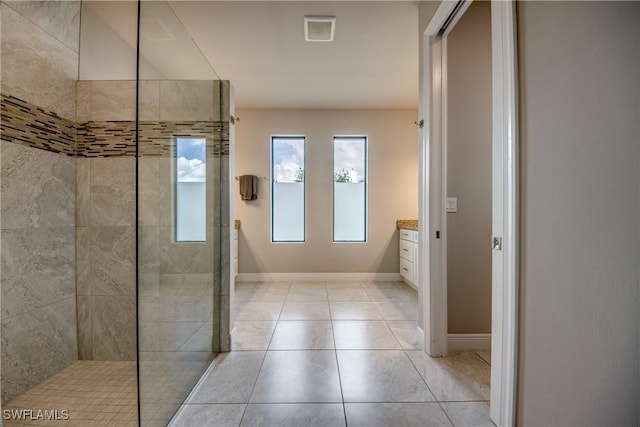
point(287, 188)
point(349, 189)
point(191, 194)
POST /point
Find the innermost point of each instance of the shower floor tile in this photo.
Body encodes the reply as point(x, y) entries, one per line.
point(88, 393)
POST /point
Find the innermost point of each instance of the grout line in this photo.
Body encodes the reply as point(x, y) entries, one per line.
point(56, 301)
point(261, 364)
point(482, 358)
point(429, 388)
point(292, 403)
point(335, 352)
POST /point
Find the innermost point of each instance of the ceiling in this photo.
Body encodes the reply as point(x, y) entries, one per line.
point(259, 46)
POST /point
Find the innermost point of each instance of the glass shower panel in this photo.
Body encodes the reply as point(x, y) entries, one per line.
point(68, 208)
point(178, 177)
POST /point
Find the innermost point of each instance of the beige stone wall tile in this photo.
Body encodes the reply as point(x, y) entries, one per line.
point(59, 18)
point(149, 191)
point(37, 187)
point(149, 100)
point(37, 344)
point(83, 260)
point(83, 192)
point(85, 337)
point(83, 101)
point(113, 326)
point(113, 100)
point(38, 267)
point(113, 192)
point(186, 100)
point(148, 253)
point(185, 257)
point(27, 51)
point(113, 251)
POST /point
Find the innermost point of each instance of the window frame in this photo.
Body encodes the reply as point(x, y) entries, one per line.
point(175, 183)
point(365, 138)
point(273, 138)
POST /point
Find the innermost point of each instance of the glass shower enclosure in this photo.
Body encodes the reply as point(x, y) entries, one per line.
point(114, 225)
point(183, 139)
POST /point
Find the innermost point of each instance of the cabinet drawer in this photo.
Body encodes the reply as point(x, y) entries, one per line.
point(414, 236)
point(406, 234)
point(407, 269)
point(407, 250)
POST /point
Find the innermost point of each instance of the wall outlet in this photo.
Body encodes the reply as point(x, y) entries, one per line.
point(452, 204)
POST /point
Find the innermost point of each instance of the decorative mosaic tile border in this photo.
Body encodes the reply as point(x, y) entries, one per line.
point(109, 139)
point(106, 139)
point(29, 125)
point(26, 124)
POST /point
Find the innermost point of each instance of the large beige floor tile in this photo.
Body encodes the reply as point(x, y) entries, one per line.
point(298, 377)
point(468, 414)
point(407, 334)
point(458, 377)
point(252, 335)
point(398, 310)
point(294, 415)
point(354, 310)
point(307, 292)
point(305, 310)
point(380, 376)
point(347, 294)
point(364, 335)
point(258, 310)
point(230, 379)
point(303, 335)
point(219, 415)
point(395, 415)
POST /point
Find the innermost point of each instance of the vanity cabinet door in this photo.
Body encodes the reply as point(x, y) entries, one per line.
point(408, 255)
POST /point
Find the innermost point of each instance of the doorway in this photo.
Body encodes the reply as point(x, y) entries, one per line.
point(433, 161)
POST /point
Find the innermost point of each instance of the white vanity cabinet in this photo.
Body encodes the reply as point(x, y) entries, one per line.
point(409, 256)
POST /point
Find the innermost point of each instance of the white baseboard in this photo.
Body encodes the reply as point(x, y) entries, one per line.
point(312, 277)
point(466, 342)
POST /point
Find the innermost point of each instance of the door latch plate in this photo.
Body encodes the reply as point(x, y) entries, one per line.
point(496, 243)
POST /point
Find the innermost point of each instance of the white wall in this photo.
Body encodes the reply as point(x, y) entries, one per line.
point(579, 99)
point(579, 79)
point(392, 189)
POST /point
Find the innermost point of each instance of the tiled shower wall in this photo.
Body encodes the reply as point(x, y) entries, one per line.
point(105, 216)
point(68, 207)
point(81, 175)
point(105, 244)
point(37, 192)
point(177, 289)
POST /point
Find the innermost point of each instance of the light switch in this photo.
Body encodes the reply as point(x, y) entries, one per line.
point(452, 204)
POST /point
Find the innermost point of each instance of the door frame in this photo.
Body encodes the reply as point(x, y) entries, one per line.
point(505, 199)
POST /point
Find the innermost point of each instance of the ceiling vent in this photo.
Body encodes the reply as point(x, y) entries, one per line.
point(319, 28)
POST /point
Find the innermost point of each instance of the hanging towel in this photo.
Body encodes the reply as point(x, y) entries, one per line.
point(249, 187)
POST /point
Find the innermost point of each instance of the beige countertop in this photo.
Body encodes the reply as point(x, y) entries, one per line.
point(408, 224)
point(237, 224)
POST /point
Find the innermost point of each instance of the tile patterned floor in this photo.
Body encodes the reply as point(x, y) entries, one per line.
point(95, 394)
point(335, 354)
